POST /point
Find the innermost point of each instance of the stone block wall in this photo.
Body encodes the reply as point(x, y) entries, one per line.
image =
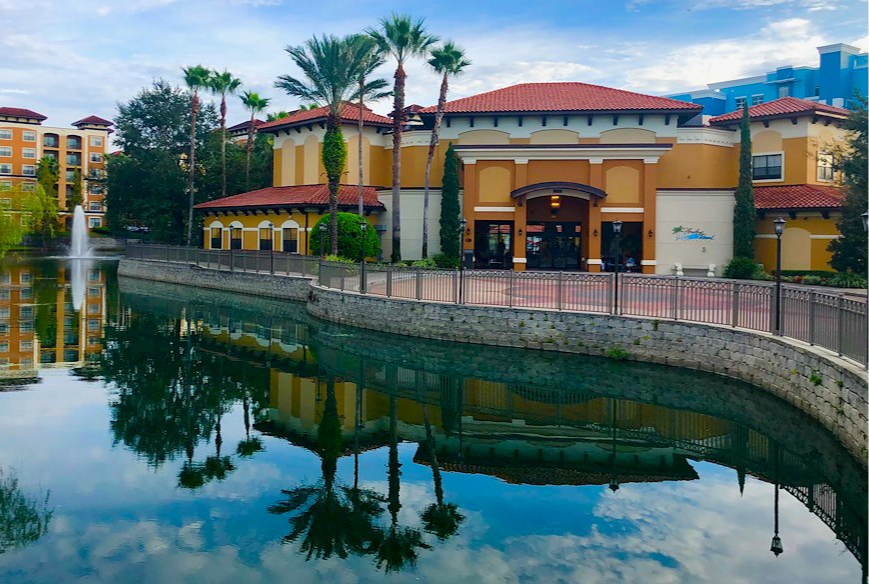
point(831, 390)
point(272, 286)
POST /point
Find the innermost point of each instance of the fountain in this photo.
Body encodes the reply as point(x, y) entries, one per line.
point(80, 247)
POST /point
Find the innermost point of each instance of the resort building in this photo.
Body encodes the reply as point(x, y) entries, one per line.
point(79, 151)
point(239, 132)
point(546, 169)
point(841, 72)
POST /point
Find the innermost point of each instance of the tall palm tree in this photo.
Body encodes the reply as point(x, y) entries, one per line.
point(401, 37)
point(441, 519)
point(370, 58)
point(446, 60)
point(196, 79)
point(223, 84)
point(256, 104)
point(331, 71)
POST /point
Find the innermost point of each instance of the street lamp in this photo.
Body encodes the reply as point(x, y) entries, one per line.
point(322, 240)
point(363, 225)
point(463, 224)
point(617, 231)
point(779, 225)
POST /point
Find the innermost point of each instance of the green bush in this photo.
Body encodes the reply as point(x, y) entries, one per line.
point(100, 230)
point(426, 263)
point(847, 279)
point(616, 354)
point(442, 260)
point(823, 274)
point(742, 269)
point(349, 232)
point(339, 259)
point(813, 280)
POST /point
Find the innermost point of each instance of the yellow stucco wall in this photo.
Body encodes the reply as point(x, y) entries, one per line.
point(800, 251)
point(710, 167)
point(557, 170)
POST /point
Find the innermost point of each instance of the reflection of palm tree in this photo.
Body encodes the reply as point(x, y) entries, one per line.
point(22, 520)
point(441, 519)
point(249, 446)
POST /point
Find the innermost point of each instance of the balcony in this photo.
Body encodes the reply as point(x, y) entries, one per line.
point(51, 141)
point(73, 143)
point(73, 159)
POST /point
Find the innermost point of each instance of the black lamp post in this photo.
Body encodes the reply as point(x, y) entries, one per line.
point(322, 240)
point(363, 225)
point(614, 478)
point(776, 545)
point(865, 217)
point(463, 224)
point(779, 225)
point(617, 231)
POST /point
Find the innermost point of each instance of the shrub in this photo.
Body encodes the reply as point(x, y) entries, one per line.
point(348, 237)
point(100, 230)
point(616, 354)
point(340, 259)
point(813, 280)
point(426, 263)
point(442, 260)
point(847, 279)
point(742, 269)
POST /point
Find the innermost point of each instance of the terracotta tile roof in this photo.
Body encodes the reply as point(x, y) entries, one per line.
point(562, 97)
point(798, 197)
point(782, 107)
point(244, 125)
point(350, 113)
point(92, 120)
point(314, 195)
point(20, 112)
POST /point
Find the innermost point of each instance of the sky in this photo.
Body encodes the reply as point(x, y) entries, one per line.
point(71, 58)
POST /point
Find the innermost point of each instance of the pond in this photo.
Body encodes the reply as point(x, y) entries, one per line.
point(155, 433)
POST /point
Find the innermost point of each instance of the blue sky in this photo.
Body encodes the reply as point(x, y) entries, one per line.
point(71, 58)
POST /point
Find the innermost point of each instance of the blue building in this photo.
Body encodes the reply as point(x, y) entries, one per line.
point(842, 71)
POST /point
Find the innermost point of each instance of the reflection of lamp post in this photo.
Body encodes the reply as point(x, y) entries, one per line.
point(363, 225)
point(865, 217)
point(776, 546)
point(614, 480)
point(463, 223)
point(322, 240)
point(779, 225)
point(617, 231)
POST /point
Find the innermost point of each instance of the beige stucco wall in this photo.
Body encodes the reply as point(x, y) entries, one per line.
point(708, 211)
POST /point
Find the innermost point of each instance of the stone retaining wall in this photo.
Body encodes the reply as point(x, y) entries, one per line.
point(272, 286)
point(831, 390)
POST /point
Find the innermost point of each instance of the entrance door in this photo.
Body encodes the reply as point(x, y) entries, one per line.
point(554, 245)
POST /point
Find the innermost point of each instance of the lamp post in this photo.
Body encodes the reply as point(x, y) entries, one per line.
point(363, 225)
point(779, 225)
point(614, 478)
point(617, 231)
point(776, 545)
point(865, 217)
point(322, 229)
point(463, 223)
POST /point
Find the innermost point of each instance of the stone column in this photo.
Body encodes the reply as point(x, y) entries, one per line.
point(469, 199)
point(650, 186)
point(594, 226)
point(520, 224)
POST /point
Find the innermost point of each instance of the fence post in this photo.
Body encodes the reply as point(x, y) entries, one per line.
point(812, 301)
point(271, 261)
point(839, 319)
point(676, 287)
point(455, 286)
point(389, 281)
point(231, 258)
point(510, 282)
point(734, 318)
point(418, 284)
point(559, 290)
point(167, 253)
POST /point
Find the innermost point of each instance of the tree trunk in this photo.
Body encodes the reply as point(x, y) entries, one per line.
point(439, 115)
point(249, 145)
point(432, 449)
point(361, 129)
point(397, 123)
point(191, 163)
point(223, 144)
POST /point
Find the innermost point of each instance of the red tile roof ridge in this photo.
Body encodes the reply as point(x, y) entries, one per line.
point(313, 194)
point(349, 112)
point(93, 120)
point(802, 196)
point(781, 106)
point(21, 112)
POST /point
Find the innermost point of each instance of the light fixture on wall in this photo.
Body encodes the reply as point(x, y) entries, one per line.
point(520, 232)
point(554, 203)
point(651, 234)
point(594, 232)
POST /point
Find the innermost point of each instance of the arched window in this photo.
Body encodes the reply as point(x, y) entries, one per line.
point(216, 229)
point(290, 236)
point(235, 235)
point(266, 236)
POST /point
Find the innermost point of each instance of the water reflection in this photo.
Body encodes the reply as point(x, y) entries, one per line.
point(23, 518)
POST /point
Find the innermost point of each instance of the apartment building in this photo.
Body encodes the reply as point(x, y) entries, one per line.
point(24, 140)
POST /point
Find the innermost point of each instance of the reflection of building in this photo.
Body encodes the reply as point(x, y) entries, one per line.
point(39, 324)
point(79, 152)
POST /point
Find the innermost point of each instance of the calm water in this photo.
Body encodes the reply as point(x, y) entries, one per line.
point(153, 433)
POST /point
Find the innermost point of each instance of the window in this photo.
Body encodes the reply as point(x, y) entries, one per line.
point(740, 103)
point(29, 136)
point(73, 159)
point(93, 292)
point(93, 324)
point(25, 311)
point(4, 328)
point(28, 170)
point(26, 278)
point(5, 203)
point(95, 207)
point(93, 276)
point(50, 141)
point(216, 238)
point(5, 184)
point(25, 326)
point(49, 154)
point(25, 345)
point(4, 347)
point(96, 157)
point(28, 187)
point(94, 222)
point(93, 308)
point(5, 278)
point(825, 167)
point(235, 238)
point(5, 134)
point(73, 143)
point(6, 151)
point(4, 294)
point(265, 238)
point(95, 188)
point(291, 239)
point(26, 293)
point(784, 91)
point(96, 141)
point(766, 167)
point(26, 363)
point(817, 92)
point(28, 152)
point(70, 175)
point(5, 169)
point(4, 313)
point(756, 99)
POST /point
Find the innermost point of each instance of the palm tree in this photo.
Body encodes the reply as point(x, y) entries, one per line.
point(446, 60)
point(196, 78)
point(401, 37)
point(223, 84)
point(441, 519)
point(256, 104)
point(332, 69)
point(370, 58)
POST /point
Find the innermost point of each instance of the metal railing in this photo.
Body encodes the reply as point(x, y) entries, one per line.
point(234, 260)
point(829, 320)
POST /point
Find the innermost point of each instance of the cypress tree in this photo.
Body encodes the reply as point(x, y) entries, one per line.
point(849, 251)
point(744, 213)
point(449, 222)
